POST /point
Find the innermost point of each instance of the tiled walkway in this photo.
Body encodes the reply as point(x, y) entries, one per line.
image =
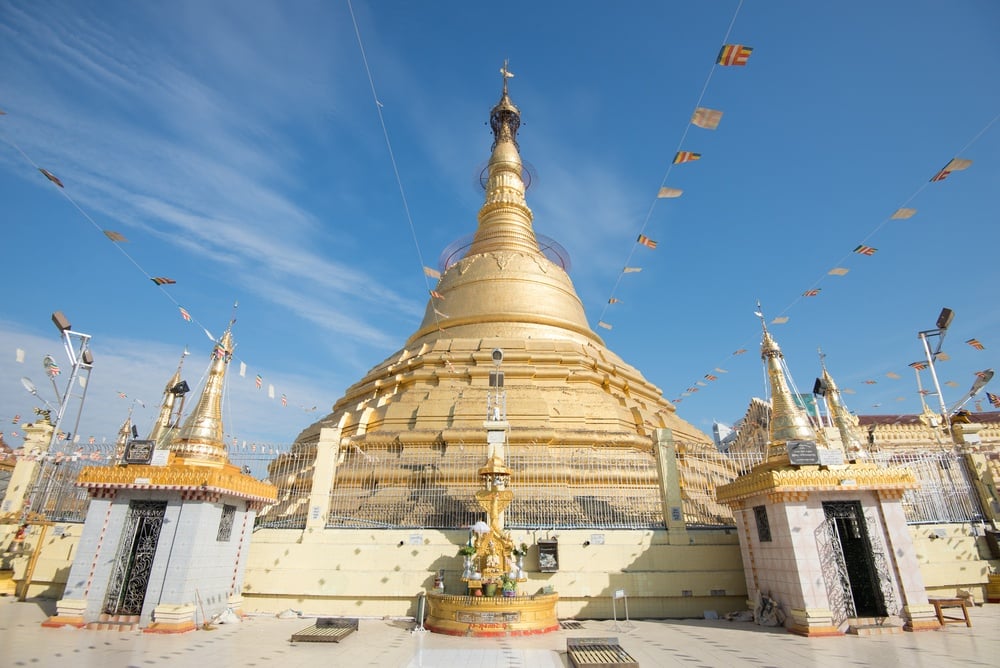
point(263, 641)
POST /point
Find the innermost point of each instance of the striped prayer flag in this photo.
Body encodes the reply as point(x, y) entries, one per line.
point(871, 382)
point(162, 280)
point(918, 365)
point(686, 156)
point(740, 351)
point(16, 419)
point(692, 389)
point(184, 313)
point(709, 376)
point(838, 271)
point(436, 295)
point(631, 270)
point(708, 119)
point(601, 323)
point(893, 375)
point(114, 236)
point(258, 381)
point(903, 214)
point(646, 241)
point(993, 399)
point(734, 55)
point(614, 300)
point(433, 273)
point(669, 193)
point(976, 344)
point(865, 250)
point(122, 395)
point(811, 293)
point(51, 177)
point(284, 400)
point(951, 383)
point(954, 165)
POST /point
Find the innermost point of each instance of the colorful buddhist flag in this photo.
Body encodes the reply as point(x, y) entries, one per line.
point(954, 165)
point(708, 119)
point(918, 365)
point(669, 193)
point(601, 323)
point(16, 419)
point(436, 295)
point(740, 351)
point(893, 375)
point(951, 383)
point(162, 280)
point(838, 271)
point(51, 367)
point(734, 55)
point(433, 273)
point(780, 320)
point(114, 236)
point(993, 399)
point(871, 382)
point(709, 376)
point(184, 313)
point(811, 293)
point(865, 250)
point(903, 214)
point(614, 300)
point(258, 381)
point(51, 177)
point(122, 395)
point(631, 270)
point(646, 241)
point(976, 344)
point(686, 156)
point(284, 400)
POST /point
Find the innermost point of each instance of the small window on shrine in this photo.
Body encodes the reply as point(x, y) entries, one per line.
point(226, 523)
point(763, 526)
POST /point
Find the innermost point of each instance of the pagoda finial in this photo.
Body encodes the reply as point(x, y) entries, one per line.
point(845, 423)
point(505, 219)
point(200, 440)
point(788, 421)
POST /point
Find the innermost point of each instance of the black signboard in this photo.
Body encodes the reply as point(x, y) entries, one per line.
point(802, 452)
point(139, 452)
point(548, 555)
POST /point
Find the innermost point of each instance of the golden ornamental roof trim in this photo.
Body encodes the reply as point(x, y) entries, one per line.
point(852, 477)
point(227, 480)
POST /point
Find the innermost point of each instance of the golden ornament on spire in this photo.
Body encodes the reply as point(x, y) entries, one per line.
point(200, 440)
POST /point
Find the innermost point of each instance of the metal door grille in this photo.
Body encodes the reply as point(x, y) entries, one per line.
point(134, 560)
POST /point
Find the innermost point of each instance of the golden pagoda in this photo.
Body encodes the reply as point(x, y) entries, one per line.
point(415, 411)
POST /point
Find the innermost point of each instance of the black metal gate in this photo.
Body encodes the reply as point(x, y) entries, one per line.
point(860, 563)
point(134, 560)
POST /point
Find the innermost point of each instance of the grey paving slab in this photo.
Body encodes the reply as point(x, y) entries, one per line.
point(264, 641)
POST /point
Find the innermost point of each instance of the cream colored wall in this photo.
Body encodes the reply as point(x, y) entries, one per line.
point(951, 558)
point(365, 572)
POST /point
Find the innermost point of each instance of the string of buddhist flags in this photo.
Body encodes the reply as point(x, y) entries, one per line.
point(118, 239)
point(738, 55)
point(730, 55)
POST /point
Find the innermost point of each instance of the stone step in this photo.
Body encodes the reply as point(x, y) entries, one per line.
point(874, 629)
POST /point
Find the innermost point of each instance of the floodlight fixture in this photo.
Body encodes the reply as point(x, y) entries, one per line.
point(945, 318)
point(61, 321)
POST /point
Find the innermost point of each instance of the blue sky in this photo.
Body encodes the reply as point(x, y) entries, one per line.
point(239, 148)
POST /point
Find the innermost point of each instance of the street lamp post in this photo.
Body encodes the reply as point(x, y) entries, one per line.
point(943, 322)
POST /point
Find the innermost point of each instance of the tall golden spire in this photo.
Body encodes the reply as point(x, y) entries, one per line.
point(505, 219)
point(788, 421)
point(200, 440)
point(505, 286)
point(842, 419)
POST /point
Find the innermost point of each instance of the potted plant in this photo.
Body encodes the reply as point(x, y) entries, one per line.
point(509, 587)
point(490, 588)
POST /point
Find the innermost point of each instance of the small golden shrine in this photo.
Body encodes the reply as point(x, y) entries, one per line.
point(493, 566)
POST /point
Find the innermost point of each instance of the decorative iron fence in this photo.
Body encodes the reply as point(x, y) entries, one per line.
point(946, 493)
